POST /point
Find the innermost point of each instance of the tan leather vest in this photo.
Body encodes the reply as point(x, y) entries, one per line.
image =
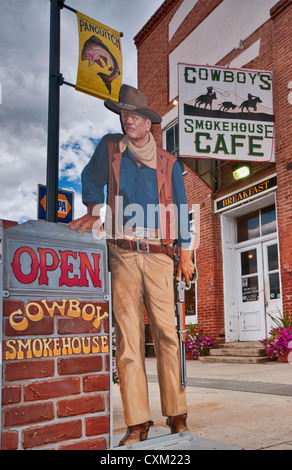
point(165, 162)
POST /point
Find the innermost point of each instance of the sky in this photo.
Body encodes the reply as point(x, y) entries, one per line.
point(24, 72)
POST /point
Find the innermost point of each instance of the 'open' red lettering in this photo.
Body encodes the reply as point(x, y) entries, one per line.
point(74, 267)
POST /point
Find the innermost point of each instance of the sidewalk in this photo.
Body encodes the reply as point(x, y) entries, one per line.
point(258, 418)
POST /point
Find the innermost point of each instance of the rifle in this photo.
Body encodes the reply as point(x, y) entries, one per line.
point(179, 301)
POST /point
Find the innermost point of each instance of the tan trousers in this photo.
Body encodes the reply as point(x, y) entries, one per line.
point(138, 277)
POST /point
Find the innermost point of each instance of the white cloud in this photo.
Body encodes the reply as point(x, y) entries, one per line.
point(24, 66)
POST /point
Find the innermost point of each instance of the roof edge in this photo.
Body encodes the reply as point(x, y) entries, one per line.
point(166, 6)
point(279, 7)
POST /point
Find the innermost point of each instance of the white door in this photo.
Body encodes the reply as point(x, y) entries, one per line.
point(251, 297)
point(273, 302)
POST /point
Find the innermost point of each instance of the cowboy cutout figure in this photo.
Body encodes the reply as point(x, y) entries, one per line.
point(141, 175)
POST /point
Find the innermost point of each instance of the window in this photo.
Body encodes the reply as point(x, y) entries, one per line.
point(256, 224)
point(192, 221)
point(273, 272)
point(172, 142)
point(190, 294)
point(249, 276)
point(248, 262)
point(268, 220)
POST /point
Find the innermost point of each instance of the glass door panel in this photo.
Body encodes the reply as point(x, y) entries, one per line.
point(251, 294)
point(249, 282)
point(272, 282)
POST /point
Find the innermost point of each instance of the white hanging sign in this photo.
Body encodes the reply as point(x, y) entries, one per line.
point(226, 114)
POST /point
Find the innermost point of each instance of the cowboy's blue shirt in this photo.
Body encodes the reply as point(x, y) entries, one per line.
point(137, 186)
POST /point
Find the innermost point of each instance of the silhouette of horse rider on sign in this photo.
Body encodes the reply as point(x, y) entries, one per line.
point(207, 98)
point(251, 102)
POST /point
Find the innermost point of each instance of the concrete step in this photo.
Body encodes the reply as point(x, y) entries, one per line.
point(159, 438)
point(235, 359)
point(237, 353)
point(240, 344)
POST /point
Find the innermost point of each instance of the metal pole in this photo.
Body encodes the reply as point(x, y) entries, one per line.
point(53, 115)
point(1, 309)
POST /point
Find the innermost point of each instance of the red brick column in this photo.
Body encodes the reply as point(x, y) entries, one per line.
point(60, 399)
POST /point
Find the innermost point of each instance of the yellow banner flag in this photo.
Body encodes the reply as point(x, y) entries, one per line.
point(100, 63)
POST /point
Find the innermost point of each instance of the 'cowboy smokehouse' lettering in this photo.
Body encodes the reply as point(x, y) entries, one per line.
point(52, 347)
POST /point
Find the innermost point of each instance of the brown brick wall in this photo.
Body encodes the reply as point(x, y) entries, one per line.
point(281, 37)
point(276, 56)
point(57, 402)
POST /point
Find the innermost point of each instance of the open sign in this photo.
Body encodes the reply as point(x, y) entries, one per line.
point(41, 261)
point(52, 258)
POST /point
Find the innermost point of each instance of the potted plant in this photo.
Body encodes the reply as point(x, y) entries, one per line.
point(279, 343)
point(198, 343)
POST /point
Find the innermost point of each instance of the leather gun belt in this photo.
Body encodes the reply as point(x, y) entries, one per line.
point(141, 246)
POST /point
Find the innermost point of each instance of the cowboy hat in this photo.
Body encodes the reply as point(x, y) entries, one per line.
point(132, 99)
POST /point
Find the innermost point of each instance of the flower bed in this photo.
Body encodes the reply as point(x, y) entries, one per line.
point(279, 342)
point(197, 342)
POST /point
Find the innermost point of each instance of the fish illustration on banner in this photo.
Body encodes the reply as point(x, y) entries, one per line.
point(100, 63)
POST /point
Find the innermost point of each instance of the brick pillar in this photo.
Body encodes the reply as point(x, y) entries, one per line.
point(56, 355)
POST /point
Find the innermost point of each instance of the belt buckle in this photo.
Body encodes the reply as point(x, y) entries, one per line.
point(142, 243)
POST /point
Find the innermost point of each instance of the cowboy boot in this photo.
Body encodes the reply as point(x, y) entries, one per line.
point(136, 433)
point(177, 424)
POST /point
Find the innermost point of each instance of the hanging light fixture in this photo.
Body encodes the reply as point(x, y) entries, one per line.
point(238, 47)
point(241, 170)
